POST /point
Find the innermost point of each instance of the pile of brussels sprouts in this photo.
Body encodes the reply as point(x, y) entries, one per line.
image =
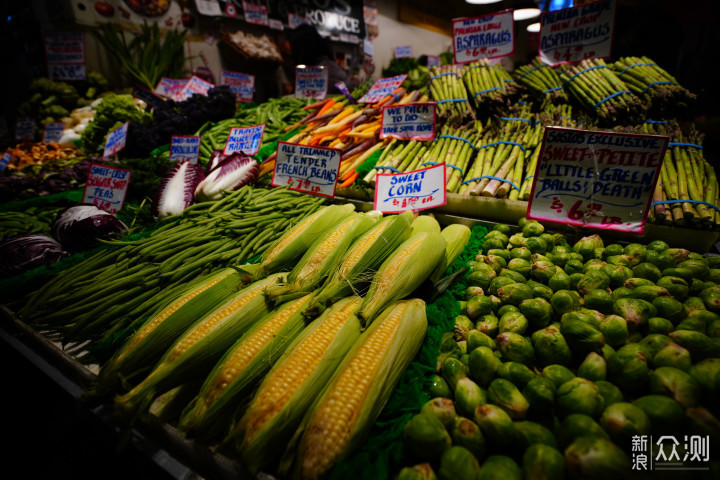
point(565, 352)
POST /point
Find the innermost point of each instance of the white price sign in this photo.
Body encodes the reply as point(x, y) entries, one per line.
point(416, 190)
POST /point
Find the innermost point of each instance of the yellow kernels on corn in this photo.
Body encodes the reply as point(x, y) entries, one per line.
point(356, 253)
point(330, 243)
point(290, 236)
point(386, 278)
point(297, 367)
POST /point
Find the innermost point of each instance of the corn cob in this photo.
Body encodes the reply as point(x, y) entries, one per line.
point(229, 383)
point(289, 248)
point(322, 257)
point(199, 348)
point(344, 413)
point(424, 223)
point(145, 347)
point(292, 384)
point(456, 236)
point(362, 258)
point(402, 272)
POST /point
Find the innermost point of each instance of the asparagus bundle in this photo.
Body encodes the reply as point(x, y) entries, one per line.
point(664, 96)
point(456, 147)
point(447, 89)
point(543, 80)
point(601, 92)
point(488, 85)
point(399, 156)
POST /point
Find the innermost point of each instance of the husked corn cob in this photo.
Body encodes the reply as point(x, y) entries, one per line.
point(402, 272)
point(289, 248)
point(145, 347)
point(361, 260)
point(229, 384)
point(323, 256)
point(294, 381)
point(344, 413)
point(456, 236)
point(199, 348)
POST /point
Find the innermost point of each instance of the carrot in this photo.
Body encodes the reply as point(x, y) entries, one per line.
point(327, 106)
point(350, 180)
point(266, 167)
point(319, 104)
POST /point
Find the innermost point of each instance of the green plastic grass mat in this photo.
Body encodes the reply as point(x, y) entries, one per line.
point(68, 198)
point(270, 148)
point(383, 453)
point(368, 164)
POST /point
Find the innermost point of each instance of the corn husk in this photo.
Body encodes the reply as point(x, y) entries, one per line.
point(456, 236)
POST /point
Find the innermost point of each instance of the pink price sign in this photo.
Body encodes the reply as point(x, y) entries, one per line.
point(577, 33)
point(170, 87)
point(241, 84)
point(594, 179)
point(487, 36)
point(194, 86)
point(382, 88)
point(412, 121)
point(311, 82)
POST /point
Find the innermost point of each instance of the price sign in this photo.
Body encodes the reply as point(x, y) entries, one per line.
point(488, 36)
point(24, 128)
point(295, 21)
point(106, 187)
point(65, 55)
point(307, 169)
point(170, 87)
point(244, 139)
point(116, 140)
point(194, 86)
point(255, 14)
point(185, 147)
point(147, 96)
point(576, 33)
point(241, 84)
point(596, 179)
point(5, 161)
point(311, 82)
point(53, 132)
point(412, 121)
point(382, 88)
point(433, 61)
point(404, 51)
point(416, 190)
point(276, 24)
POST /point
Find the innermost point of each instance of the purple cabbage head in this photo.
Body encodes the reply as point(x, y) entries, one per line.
point(235, 171)
point(24, 252)
point(79, 227)
point(177, 190)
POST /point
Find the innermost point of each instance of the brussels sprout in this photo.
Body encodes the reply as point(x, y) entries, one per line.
point(578, 425)
point(712, 260)
point(523, 253)
point(707, 375)
point(443, 409)
point(515, 348)
point(542, 270)
point(696, 286)
point(636, 251)
point(681, 272)
point(675, 383)
point(617, 274)
point(594, 264)
point(596, 458)
point(421, 471)
point(500, 252)
point(655, 342)
point(520, 266)
point(607, 351)
point(600, 300)
point(540, 393)
point(564, 301)
point(543, 462)
point(702, 422)
point(574, 266)
point(478, 306)
point(493, 244)
point(714, 275)
point(483, 365)
point(480, 279)
point(559, 281)
point(620, 260)
point(648, 271)
point(579, 395)
point(610, 393)
point(517, 240)
point(505, 309)
point(621, 292)
point(517, 373)
point(673, 355)
point(614, 329)
point(513, 322)
point(529, 433)
point(473, 291)
point(660, 325)
point(559, 259)
point(488, 324)
point(468, 395)
point(536, 245)
point(635, 282)
point(593, 367)
point(498, 282)
point(711, 298)
point(506, 395)
point(448, 348)
point(699, 345)
point(540, 290)
point(628, 369)
point(699, 268)
point(550, 346)
point(538, 312)
point(635, 311)
point(496, 262)
point(458, 463)
point(499, 467)
point(663, 261)
point(476, 339)
point(558, 374)
point(692, 304)
point(665, 414)
point(426, 437)
point(452, 371)
point(678, 254)
point(465, 357)
point(705, 316)
point(514, 293)
point(462, 325)
point(502, 228)
point(554, 240)
point(496, 425)
point(649, 293)
point(694, 324)
point(623, 420)
point(670, 308)
point(439, 387)
point(653, 257)
point(581, 336)
point(593, 317)
point(658, 246)
point(586, 246)
point(533, 229)
point(466, 433)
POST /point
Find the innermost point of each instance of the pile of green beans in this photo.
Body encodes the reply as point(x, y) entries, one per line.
point(121, 286)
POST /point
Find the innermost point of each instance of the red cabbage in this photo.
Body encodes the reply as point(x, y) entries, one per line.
point(24, 252)
point(233, 172)
point(177, 190)
point(79, 227)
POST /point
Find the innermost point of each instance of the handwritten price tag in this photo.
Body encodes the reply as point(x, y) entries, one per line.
point(307, 169)
point(488, 36)
point(185, 147)
point(170, 87)
point(65, 55)
point(241, 84)
point(311, 82)
point(255, 14)
point(596, 179)
point(382, 88)
point(106, 187)
point(416, 190)
point(404, 51)
point(412, 121)
point(195, 86)
point(244, 139)
point(5, 161)
point(576, 33)
point(433, 61)
point(53, 132)
point(116, 140)
point(24, 128)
